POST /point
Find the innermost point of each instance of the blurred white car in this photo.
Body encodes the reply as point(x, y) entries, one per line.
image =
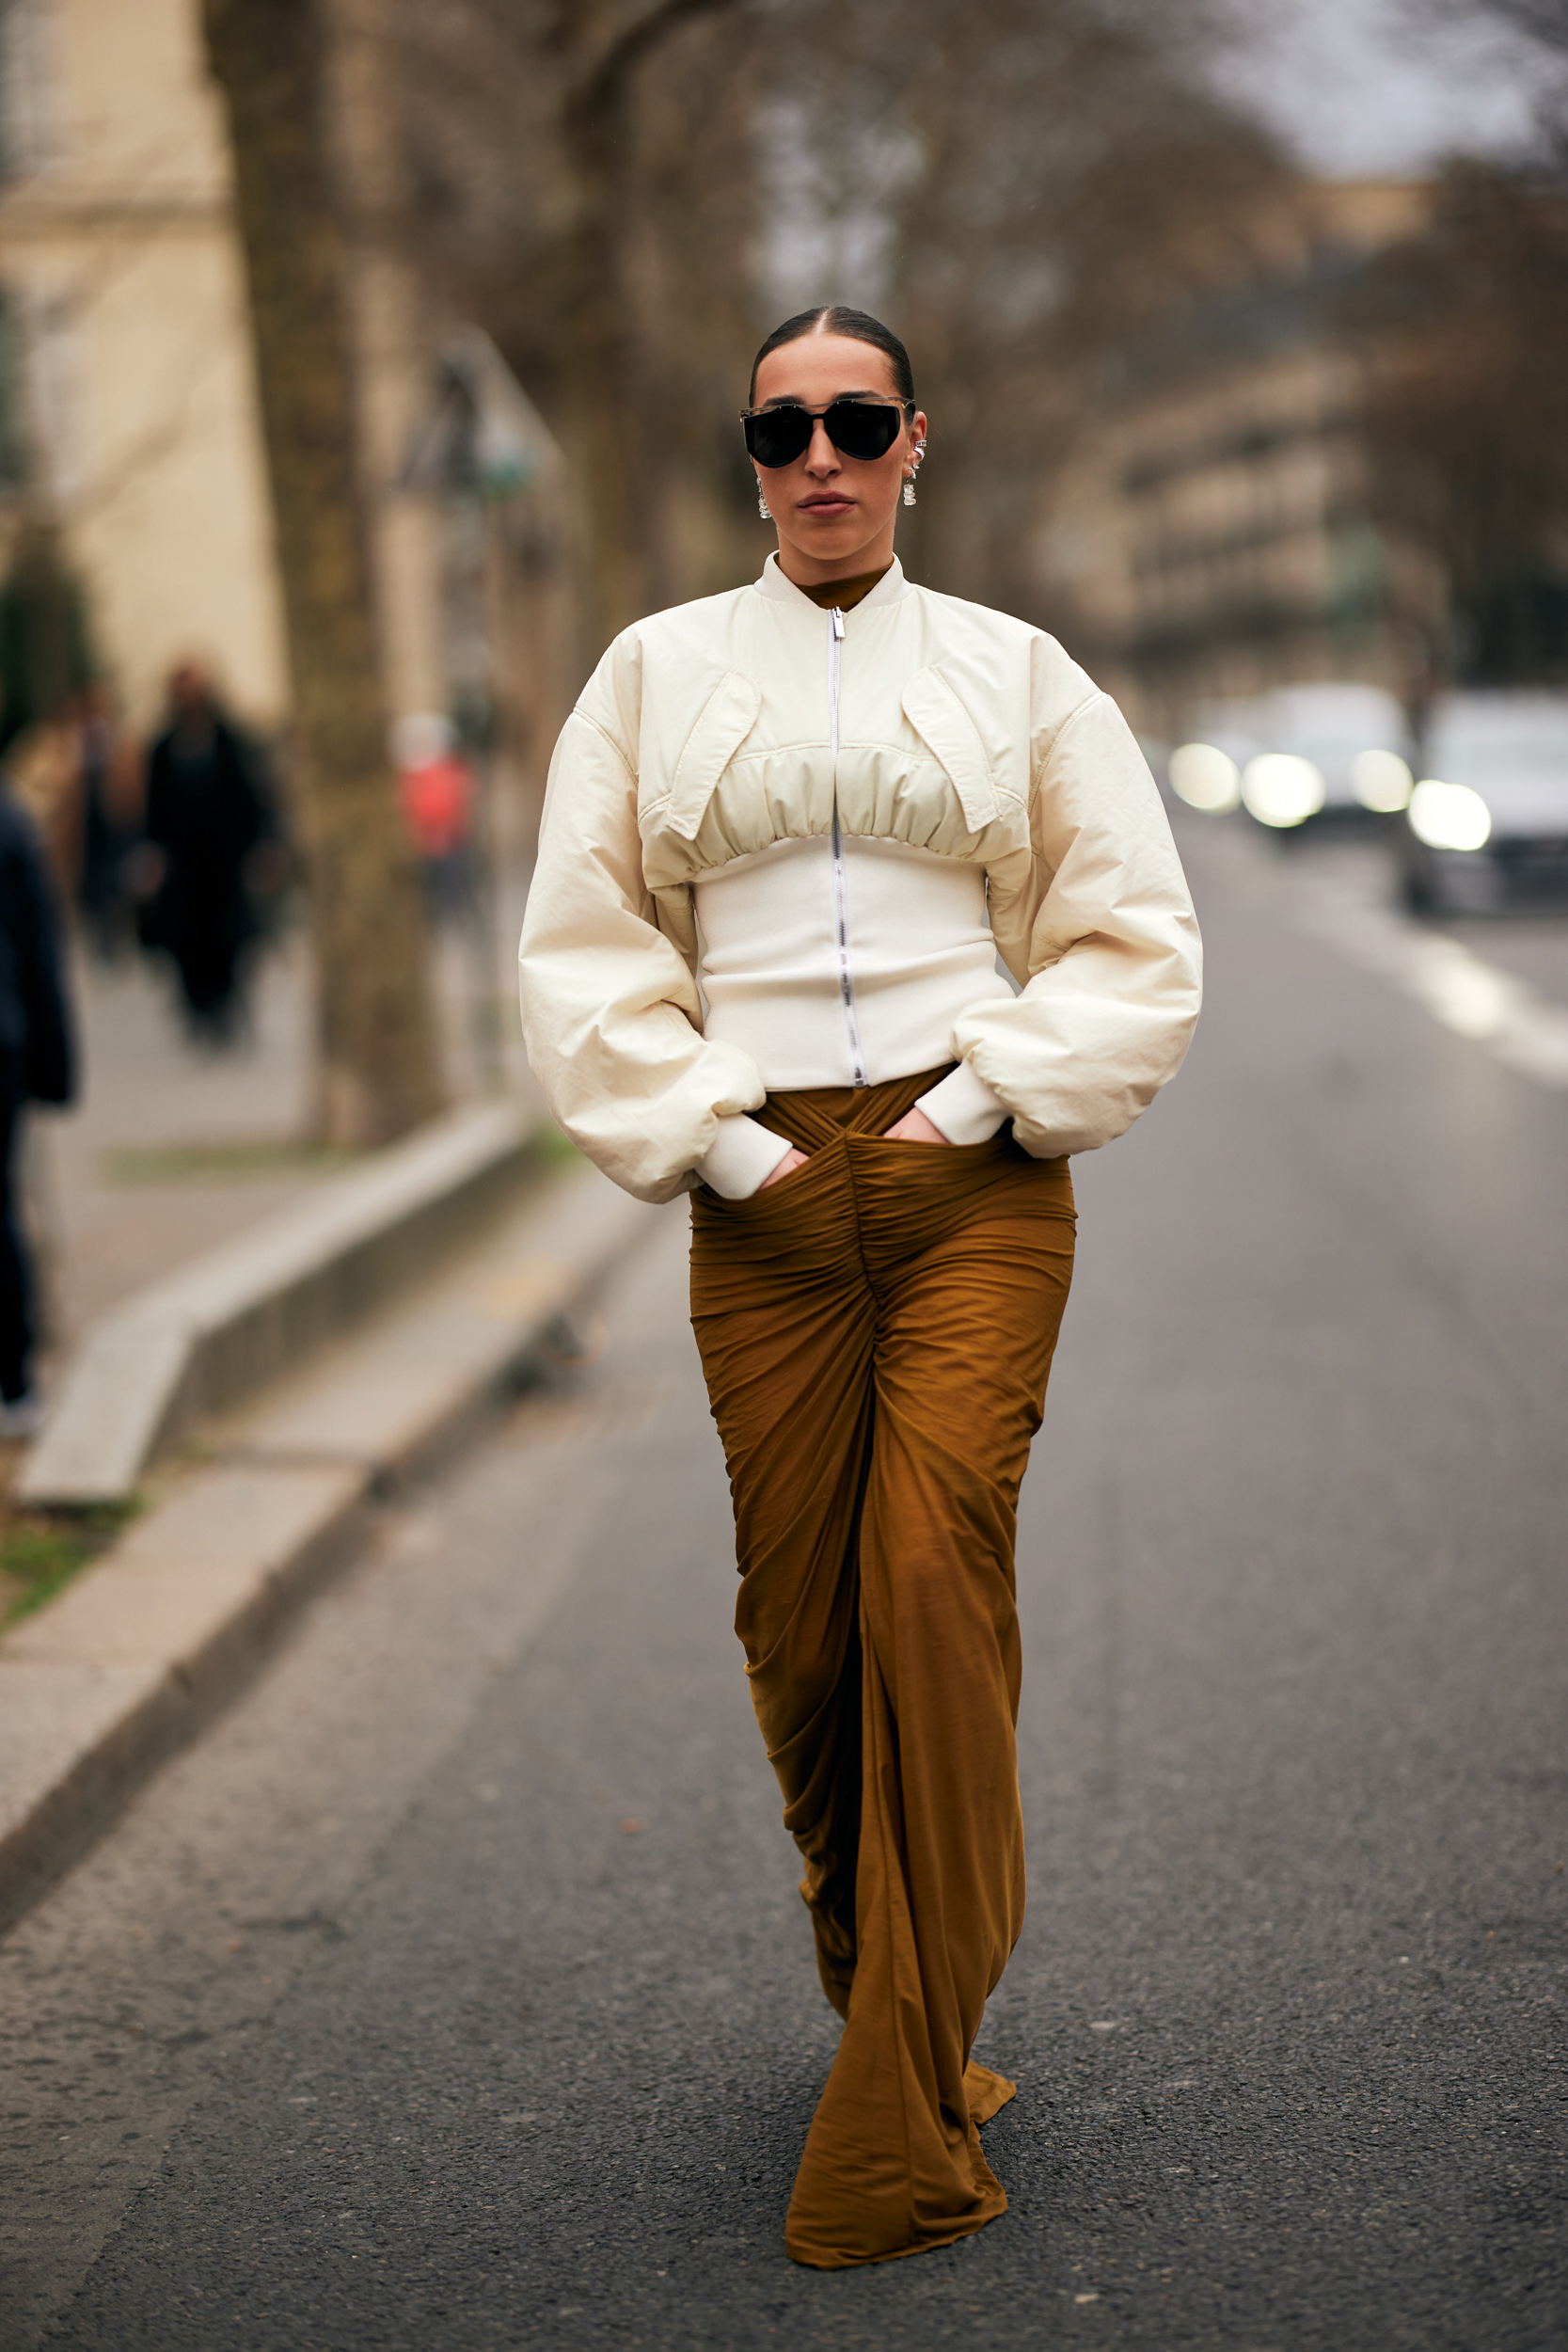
point(1334, 748)
point(1488, 820)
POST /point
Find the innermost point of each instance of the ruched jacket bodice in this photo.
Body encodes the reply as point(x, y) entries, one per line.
point(708, 733)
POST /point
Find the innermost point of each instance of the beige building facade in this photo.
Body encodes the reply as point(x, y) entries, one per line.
point(1215, 535)
point(132, 398)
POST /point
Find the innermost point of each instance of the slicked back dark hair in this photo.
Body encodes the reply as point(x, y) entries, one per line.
point(836, 318)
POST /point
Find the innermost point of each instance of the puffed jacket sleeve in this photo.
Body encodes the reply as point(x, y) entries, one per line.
point(1114, 962)
point(612, 1016)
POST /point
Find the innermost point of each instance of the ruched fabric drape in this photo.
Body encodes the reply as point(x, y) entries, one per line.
point(876, 1331)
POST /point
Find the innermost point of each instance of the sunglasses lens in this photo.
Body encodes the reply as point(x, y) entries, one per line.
point(863, 428)
point(858, 428)
point(776, 436)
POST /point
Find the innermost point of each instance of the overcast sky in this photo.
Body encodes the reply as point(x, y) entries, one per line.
point(1360, 87)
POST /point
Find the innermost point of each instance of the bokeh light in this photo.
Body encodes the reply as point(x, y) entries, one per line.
point(1281, 788)
point(1381, 782)
point(1450, 815)
point(1205, 777)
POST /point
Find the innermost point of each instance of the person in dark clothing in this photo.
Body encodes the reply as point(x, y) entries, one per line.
point(206, 817)
point(37, 1064)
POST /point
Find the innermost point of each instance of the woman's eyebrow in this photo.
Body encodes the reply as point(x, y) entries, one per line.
point(798, 399)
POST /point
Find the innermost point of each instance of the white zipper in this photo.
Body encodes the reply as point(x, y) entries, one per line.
point(840, 903)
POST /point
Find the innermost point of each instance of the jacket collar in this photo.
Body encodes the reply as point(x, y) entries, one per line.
point(777, 584)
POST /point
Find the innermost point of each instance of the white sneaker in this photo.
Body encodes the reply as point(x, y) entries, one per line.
point(24, 1417)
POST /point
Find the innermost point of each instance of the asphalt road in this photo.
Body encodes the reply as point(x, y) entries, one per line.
point(454, 1993)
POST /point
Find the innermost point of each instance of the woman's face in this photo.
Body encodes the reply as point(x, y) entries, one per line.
point(836, 515)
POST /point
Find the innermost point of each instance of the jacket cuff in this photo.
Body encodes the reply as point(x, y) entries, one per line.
point(742, 1156)
point(963, 1106)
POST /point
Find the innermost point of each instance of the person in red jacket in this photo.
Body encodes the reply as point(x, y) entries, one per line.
point(438, 807)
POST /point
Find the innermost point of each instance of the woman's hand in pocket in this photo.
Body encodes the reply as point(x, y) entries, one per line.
point(786, 1166)
point(914, 1127)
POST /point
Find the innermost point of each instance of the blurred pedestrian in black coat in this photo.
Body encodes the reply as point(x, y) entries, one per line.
point(37, 1064)
point(207, 816)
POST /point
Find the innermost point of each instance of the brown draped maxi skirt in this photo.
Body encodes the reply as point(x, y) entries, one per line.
point(876, 1331)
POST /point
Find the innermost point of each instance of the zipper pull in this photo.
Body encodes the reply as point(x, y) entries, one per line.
point(837, 619)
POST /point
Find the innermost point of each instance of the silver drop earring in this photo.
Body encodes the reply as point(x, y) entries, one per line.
point(916, 455)
point(762, 502)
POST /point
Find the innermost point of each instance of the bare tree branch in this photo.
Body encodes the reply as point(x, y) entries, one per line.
point(605, 77)
point(1012, 187)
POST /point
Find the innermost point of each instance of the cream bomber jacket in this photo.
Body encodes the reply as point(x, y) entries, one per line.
point(715, 730)
point(837, 961)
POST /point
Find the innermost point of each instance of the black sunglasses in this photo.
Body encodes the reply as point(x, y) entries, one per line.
point(856, 428)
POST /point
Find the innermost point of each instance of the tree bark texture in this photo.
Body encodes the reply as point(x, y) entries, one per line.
point(379, 1068)
point(604, 375)
point(601, 373)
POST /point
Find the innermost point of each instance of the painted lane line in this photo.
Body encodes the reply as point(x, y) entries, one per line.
point(1472, 998)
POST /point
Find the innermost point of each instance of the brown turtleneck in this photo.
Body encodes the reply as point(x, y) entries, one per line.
point(843, 592)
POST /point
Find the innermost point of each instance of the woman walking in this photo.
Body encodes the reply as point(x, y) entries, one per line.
point(789, 830)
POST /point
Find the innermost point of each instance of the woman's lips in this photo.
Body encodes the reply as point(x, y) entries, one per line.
point(826, 506)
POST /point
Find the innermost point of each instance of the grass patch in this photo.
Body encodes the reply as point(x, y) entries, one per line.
point(40, 1555)
point(222, 1163)
point(253, 1162)
point(552, 1149)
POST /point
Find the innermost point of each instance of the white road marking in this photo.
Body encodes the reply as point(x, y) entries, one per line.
point(1522, 1028)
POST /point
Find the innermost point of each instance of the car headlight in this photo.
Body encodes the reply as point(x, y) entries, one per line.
point(1381, 782)
point(1281, 788)
point(1205, 777)
point(1449, 816)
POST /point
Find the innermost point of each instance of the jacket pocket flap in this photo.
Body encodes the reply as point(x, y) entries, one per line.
point(943, 724)
point(725, 721)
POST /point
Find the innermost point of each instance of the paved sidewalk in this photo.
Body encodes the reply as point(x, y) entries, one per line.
point(127, 1664)
point(172, 1148)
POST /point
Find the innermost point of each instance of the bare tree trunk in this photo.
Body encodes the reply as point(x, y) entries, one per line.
point(603, 419)
point(605, 387)
point(379, 1070)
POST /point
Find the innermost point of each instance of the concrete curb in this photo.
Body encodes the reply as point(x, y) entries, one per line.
point(237, 1317)
point(104, 1684)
